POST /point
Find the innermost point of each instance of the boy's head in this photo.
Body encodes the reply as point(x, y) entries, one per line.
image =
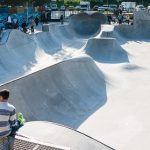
point(4, 95)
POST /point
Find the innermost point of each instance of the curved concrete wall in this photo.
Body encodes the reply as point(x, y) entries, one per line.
point(65, 93)
point(106, 50)
point(87, 24)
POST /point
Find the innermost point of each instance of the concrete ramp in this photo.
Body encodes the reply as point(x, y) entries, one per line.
point(49, 133)
point(87, 24)
point(23, 54)
point(47, 42)
point(17, 55)
point(106, 50)
point(65, 93)
point(106, 31)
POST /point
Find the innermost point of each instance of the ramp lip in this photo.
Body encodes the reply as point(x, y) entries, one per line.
point(10, 31)
point(102, 38)
point(76, 59)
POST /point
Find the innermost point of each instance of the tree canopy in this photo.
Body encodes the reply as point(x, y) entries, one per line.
point(70, 2)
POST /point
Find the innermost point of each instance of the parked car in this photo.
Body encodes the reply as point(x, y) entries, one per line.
point(54, 7)
point(113, 6)
point(101, 8)
point(62, 8)
point(139, 7)
point(77, 7)
point(95, 7)
point(108, 8)
point(71, 8)
point(47, 8)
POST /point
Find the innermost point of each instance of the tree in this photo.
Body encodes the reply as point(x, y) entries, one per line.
point(71, 2)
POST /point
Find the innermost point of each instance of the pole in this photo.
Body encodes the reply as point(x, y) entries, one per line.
point(27, 12)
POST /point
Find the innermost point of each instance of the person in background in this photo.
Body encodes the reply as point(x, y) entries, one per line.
point(15, 23)
point(32, 25)
point(24, 26)
point(120, 18)
point(9, 22)
point(109, 18)
point(62, 19)
point(128, 19)
point(36, 21)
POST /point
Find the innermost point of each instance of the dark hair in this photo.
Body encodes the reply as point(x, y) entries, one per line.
point(4, 93)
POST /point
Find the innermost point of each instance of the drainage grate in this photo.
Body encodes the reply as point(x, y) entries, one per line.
point(21, 143)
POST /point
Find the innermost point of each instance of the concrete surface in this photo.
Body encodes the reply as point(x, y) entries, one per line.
point(109, 102)
point(34, 52)
point(60, 135)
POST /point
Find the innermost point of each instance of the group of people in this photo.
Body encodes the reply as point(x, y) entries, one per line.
point(120, 18)
point(9, 122)
point(12, 23)
point(34, 21)
point(45, 16)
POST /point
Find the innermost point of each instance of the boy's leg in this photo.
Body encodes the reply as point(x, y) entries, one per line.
point(3, 141)
point(11, 142)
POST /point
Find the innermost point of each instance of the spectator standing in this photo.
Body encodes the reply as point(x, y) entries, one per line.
point(128, 19)
point(109, 17)
point(9, 22)
point(15, 23)
point(120, 18)
point(24, 26)
point(62, 19)
point(36, 21)
point(46, 17)
point(32, 25)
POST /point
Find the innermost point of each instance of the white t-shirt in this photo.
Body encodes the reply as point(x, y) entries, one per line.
point(9, 19)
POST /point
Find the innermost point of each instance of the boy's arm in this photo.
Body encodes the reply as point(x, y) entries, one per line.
point(12, 119)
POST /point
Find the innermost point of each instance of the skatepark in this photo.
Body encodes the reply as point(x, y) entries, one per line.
point(89, 78)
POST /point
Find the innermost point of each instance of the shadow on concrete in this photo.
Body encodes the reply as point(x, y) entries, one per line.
point(132, 67)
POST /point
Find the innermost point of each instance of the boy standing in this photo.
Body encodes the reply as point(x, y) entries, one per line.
point(7, 115)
